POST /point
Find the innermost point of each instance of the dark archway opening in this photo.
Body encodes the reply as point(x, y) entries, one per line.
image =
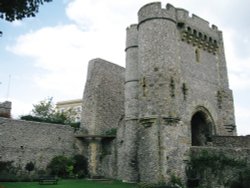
point(201, 129)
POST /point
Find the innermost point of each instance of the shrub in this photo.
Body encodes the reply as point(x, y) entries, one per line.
point(175, 181)
point(111, 132)
point(31, 118)
point(60, 166)
point(30, 166)
point(243, 181)
point(67, 167)
point(207, 163)
point(8, 171)
point(75, 125)
point(80, 165)
point(5, 165)
point(8, 177)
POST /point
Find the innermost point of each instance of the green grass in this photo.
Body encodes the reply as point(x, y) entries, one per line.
point(68, 184)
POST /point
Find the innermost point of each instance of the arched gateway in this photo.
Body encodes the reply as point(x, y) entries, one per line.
point(202, 127)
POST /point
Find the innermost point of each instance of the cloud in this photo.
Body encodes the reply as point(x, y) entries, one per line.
point(242, 114)
point(102, 15)
point(63, 52)
point(59, 51)
point(238, 65)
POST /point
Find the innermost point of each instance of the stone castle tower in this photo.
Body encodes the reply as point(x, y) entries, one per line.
point(176, 89)
point(175, 96)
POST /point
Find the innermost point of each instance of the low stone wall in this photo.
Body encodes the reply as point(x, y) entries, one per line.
point(231, 141)
point(223, 166)
point(24, 141)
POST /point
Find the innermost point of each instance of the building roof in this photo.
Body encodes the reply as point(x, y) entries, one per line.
point(69, 102)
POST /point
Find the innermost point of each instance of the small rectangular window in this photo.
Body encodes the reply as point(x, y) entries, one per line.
point(197, 55)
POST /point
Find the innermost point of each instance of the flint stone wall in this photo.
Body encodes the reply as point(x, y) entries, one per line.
point(103, 100)
point(231, 141)
point(103, 113)
point(108, 159)
point(24, 141)
point(228, 173)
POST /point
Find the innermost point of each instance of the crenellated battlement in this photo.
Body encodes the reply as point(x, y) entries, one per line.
point(197, 38)
point(132, 40)
point(193, 29)
point(154, 10)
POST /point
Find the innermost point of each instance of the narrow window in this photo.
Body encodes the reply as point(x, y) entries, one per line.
point(197, 55)
point(172, 87)
point(200, 35)
point(215, 43)
point(205, 37)
point(184, 91)
point(144, 86)
point(219, 100)
point(195, 33)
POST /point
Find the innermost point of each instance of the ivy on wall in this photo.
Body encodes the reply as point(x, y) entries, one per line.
point(215, 168)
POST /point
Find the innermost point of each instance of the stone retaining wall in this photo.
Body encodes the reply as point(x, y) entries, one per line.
point(24, 141)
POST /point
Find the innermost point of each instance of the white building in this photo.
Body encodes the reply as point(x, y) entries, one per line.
point(75, 105)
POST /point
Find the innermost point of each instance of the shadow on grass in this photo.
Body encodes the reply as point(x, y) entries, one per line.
point(69, 184)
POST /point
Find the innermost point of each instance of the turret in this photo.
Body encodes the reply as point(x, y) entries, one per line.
point(129, 171)
point(159, 83)
point(158, 60)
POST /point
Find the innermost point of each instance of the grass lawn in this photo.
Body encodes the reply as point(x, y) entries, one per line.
point(68, 184)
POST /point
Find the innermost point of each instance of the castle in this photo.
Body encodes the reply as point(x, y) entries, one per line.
point(140, 123)
point(172, 96)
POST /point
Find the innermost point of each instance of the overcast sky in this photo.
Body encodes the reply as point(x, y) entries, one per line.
point(47, 56)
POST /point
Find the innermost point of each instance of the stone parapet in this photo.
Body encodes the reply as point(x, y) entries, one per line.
point(231, 141)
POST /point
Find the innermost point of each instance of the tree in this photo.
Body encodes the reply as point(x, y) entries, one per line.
point(11, 10)
point(45, 111)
